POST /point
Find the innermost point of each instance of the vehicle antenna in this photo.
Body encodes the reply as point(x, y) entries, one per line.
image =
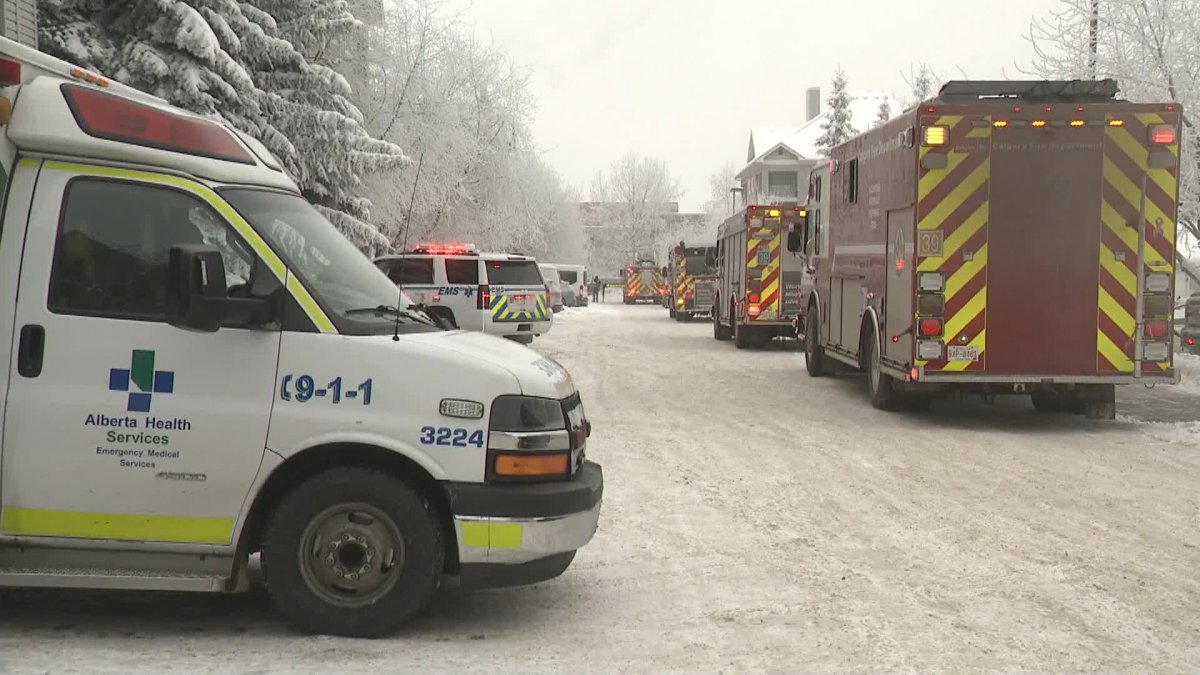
point(404, 247)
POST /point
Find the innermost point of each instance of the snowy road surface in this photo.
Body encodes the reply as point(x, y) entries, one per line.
point(755, 518)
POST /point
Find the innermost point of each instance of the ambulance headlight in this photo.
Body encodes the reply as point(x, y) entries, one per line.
point(526, 413)
point(528, 440)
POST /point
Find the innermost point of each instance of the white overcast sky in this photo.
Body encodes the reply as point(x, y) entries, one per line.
point(685, 80)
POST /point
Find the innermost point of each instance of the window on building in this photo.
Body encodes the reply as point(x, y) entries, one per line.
point(782, 184)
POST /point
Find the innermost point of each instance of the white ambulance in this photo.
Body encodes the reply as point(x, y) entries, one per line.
point(201, 368)
point(498, 293)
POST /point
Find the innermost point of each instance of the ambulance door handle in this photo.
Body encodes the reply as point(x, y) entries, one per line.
point(30, 350)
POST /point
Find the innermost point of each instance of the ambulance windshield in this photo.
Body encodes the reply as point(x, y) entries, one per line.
point(333, 269)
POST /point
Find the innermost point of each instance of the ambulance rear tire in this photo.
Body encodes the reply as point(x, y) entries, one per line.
point(881, 389)
point(352, 552)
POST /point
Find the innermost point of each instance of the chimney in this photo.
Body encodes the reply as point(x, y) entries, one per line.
point(813, 96)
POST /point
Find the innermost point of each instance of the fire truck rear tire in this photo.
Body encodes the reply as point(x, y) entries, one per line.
point(720, 331)
point(682, 316)
point(814, 355)
point(741, 335)
point(880, 387)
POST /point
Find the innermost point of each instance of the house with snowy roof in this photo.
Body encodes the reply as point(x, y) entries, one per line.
point(779, 159)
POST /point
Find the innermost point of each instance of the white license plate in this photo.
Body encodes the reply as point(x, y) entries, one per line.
point(960, 353)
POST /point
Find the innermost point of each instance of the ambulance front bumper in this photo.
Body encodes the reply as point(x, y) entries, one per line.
point(516, 534)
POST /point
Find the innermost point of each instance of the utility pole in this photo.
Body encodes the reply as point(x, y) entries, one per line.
point(1093, 38)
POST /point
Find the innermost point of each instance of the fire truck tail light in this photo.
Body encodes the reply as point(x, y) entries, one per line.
point(929, 327)
point(1190, 341)
point(931, 304)
point(1162, 134)
point(1155, 328)
point(1158, 282)
point(754, 297)
point(929, 350)
point(753, 310)
point(931, 281)
point(935, 135)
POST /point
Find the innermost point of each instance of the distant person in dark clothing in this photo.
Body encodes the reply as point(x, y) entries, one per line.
point(596, 288)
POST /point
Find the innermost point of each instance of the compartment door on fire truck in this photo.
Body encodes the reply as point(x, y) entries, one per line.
point(119, 425)
point(899, 288)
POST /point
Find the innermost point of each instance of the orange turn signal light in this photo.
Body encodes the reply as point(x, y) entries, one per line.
point(523, 465)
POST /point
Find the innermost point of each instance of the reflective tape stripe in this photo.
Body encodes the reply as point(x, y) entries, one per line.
point(77, 524)
point(243, 228)
point(483, 534)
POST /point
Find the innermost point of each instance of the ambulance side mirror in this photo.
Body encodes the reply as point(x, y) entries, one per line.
point(196, 294)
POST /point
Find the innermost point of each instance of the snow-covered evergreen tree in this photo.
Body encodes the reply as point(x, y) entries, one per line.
point(885, 113)
point(228, 58)
point(837, 126)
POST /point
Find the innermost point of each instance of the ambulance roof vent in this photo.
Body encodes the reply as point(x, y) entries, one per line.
point(965, 91)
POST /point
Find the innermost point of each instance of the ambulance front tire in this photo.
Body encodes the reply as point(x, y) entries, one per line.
point(352, 521)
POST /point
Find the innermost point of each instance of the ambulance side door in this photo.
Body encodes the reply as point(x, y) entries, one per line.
point(117, 424)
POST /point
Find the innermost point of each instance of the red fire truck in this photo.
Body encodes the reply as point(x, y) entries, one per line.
point(757, 280)
point(1003, 237)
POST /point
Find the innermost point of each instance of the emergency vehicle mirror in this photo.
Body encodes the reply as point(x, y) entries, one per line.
point(808, 247)
point(794, 240)
point(197, 297)
point(195, 287)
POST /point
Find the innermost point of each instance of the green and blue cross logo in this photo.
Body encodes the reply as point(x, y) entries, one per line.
point(141, 374)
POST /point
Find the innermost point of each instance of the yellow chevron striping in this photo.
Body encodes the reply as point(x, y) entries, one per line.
point(981, 132)
point(963, 275)
point(1140, 156)
point(1132, 194)
point(1127, 234)
point(770, 288)
point(960, 236)
point(1119, 315)
point(964, 316)
point(938, 214)
point(1118, 271)
point(978, 341)
point(932, 179)
point(1113, 353)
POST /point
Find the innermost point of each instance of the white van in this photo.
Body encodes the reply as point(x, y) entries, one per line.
point(575, 284)
point(202, 368)
point(554, 288)
point(497, 293)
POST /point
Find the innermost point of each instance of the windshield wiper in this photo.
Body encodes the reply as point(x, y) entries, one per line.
point(407, 313)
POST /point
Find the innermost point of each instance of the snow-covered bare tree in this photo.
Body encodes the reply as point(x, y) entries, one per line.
point(1151, 47)
point(923, 81)
point(720, 203)
point(885, 113)
point(838, 126)
point(642, 192)
point(226, 58)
